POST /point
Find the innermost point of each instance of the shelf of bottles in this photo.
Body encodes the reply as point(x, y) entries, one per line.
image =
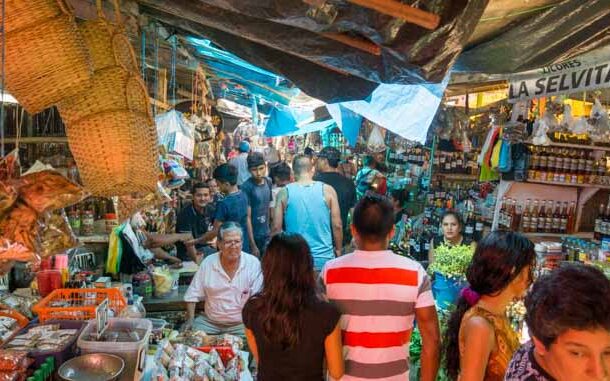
point(537, 216)
point(568, 166)
point(456, 163)
point(601, 229)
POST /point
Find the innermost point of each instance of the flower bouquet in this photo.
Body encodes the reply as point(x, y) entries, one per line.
point(449, 272)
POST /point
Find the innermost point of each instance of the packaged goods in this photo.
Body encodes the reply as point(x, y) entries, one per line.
point(48, 191)
point(56, 234)
point(20, 226)
point(8, 196)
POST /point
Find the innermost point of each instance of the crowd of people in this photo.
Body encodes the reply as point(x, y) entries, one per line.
point(281, 276)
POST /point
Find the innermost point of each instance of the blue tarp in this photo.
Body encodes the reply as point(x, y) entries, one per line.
point(406, 110)
point(236, 79)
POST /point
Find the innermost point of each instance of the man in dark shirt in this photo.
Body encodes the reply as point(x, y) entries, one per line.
point(568, 317)
point(258, 190)
point(195, 218)
point(327, 171)
point(232, 208)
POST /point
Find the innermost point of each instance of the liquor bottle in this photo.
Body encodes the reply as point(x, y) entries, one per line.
point(548, 223)
point(478, 228)
point(526, 217)
point(571, 217)
point(563, 227)
point(543, 165)
point(510, 213)
point(559, 165)
point(459, 162)
point(551, 169)
point(502, 214)
point(517, 215)
point(556, 226)
point(469, 227)
point(599, 220)
point(534, 218)
point(541, 217)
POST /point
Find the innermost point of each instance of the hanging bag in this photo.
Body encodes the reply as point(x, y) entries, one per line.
point(110, 128)
point(46, 56)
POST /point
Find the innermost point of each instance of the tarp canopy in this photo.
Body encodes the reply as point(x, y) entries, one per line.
point(290, 38)
point(559, 31)
point(406, 110)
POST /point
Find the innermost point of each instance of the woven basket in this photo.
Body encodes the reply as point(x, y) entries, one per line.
point(110, 128)
point(112, 89)
point(108, 45)
point(46, 57)
point(109, 156)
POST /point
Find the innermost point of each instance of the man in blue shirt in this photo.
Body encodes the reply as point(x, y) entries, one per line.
point(258, 190)
point(232, 208)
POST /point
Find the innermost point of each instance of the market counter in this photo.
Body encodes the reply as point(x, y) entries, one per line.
point(175, 302)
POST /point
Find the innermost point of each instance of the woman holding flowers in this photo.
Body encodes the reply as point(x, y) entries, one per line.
point(479, 341)
point(452, 226)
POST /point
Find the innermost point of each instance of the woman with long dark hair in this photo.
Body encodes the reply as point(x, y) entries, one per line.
point(290, 329)
point(479, 341)
point(452, 226)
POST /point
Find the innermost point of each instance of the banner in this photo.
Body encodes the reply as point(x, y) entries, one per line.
point(586, 72)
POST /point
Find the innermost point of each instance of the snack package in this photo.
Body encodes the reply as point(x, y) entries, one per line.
point(10, 167)
point(8, 196)
point(12, 251)
point(49, 190)
point(10, 376)
point(11, 360)
point(20, 226)
point(55, 234)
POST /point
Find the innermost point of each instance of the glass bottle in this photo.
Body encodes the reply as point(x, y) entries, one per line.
point(563, 229)
point(526, 218)
point(548, 223)
point(557, 218)
point(542, 217)
point(534, 218)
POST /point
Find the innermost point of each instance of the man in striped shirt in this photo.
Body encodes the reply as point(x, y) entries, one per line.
point(381, 294)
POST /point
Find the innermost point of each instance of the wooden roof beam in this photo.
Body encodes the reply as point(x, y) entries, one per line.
point(405, 12)
point(358, 43)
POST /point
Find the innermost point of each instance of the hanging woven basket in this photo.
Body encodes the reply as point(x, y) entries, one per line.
point(46, 57)
point(109, 157)
point(110, 127)
point(107, 43)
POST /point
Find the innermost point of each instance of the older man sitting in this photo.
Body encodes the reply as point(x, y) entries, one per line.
point(225, 281)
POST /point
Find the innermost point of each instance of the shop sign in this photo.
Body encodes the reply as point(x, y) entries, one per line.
point(586, 72)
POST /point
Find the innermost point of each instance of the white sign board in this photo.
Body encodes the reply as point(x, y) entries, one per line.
point(101, 318)
point(587, 72)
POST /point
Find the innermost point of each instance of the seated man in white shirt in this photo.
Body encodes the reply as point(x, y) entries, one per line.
point(225, 281)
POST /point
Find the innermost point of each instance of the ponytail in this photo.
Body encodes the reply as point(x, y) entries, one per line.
point(451, 340)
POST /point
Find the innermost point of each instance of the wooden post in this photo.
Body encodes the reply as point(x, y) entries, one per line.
point(402, 11)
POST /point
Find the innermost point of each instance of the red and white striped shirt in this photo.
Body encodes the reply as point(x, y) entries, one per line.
point(377, 292)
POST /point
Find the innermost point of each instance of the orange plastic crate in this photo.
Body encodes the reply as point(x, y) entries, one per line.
point(78, 303)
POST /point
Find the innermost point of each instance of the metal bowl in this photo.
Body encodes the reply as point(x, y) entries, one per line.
point(92, 367)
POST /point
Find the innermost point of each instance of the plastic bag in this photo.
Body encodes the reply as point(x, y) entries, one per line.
point(131, 204)
point(8, 196)
point(10, 167)
point(56, 235)
point(15, 251)
point(376, 141)
point(568, 120)
point(20, 225)
point(49, 190)
point(540, 137)
point(599, 122)
point(580, 126)
point(11, 360)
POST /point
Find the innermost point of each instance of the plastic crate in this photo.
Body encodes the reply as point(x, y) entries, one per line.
point(78, 303)
point(61, 355)
point(134, 353)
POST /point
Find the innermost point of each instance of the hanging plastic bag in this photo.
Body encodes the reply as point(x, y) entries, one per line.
point(20, 225)
point(376, 142)
point(598, 120)
point(56, 235)
point(505, 163)
point(568, 120)
point(49, 190)
point(10, 166)
point(8, 196)
point(540, 137)
point(581, 126)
